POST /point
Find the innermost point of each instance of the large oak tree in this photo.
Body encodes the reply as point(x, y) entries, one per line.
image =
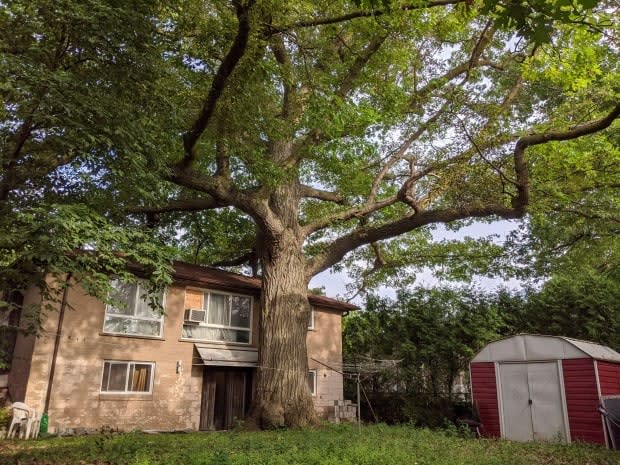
point(335, 128)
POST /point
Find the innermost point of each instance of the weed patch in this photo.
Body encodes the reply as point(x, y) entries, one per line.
point(342, 445)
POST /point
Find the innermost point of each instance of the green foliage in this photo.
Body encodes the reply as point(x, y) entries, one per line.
point(210, 236)
point(43, 245)
point(574, 222)
point(585, 305)
point(83, 112)
point(101, 92)
point(73, 75)
point(61, 239)
point(398, 260)
point(5, 418)
point(434, 333)
point(536, 19)
point(342, 444)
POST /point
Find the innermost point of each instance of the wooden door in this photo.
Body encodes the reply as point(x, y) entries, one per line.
point(225, 397)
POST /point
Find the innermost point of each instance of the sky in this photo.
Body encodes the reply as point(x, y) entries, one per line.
point(335, 282)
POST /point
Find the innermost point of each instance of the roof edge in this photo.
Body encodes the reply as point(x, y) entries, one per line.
point(206, 275)
point(610, 354)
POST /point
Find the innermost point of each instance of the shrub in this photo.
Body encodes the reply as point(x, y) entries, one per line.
point(5, 417)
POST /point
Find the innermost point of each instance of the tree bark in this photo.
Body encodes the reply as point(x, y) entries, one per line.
point(282, 395)
point(283, 398)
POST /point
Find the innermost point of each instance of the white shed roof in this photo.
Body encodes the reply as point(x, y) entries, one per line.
point(530, 347)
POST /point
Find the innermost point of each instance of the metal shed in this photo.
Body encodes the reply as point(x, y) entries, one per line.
point(533, 387)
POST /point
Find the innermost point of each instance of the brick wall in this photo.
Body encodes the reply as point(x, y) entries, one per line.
point(325, 348)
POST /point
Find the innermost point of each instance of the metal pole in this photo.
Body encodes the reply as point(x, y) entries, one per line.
point(61, 317)
point(359, 406)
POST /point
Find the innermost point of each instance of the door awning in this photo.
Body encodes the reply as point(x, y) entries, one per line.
point(228, 357)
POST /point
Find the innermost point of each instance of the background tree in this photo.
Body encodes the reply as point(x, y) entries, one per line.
point(583, 306)
point(81, 86)
point(434, 333)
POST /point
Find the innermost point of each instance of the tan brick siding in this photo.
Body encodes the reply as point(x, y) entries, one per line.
point(325, 356)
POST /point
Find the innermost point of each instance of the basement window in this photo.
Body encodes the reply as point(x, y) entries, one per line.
point(127, 377)
point(131, 312)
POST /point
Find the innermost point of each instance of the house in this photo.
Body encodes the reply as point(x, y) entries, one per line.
point(548, 388)
point(96, 365)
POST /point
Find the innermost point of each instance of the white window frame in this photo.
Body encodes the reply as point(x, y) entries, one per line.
point(204, 324)
point(311, 323)
point(315, 378)
point(138, 286)
point(128, 363)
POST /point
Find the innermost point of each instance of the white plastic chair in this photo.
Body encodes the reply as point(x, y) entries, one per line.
point(25, 419)
point(35, 425)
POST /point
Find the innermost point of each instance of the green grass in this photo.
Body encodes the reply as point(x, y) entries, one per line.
point(375, 445)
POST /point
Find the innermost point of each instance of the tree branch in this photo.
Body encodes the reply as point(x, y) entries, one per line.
point(358, 65)
point(521, 170)
point(189, 205)
point(314, 137)
point(365, 14)
point(355, 212)
point(371, 206)
point(400, 152)
point(248, 257)
point(486, 140)
point(281, 55)
point(222, 160)
point(366, 235)
point(319, 194)
point(232, 58)
point(474, 61)
point(250, 200)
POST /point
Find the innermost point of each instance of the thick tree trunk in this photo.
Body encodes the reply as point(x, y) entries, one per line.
point(282, 394)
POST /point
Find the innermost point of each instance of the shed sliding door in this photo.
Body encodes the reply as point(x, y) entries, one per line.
point(532, 403)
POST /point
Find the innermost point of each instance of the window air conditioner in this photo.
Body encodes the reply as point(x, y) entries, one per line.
point(194, 316)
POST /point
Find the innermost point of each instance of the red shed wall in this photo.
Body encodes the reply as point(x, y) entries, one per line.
point(582, 401)
point(484, 395)
point(609, 378)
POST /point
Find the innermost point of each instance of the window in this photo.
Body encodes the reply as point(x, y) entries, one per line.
point(311, 323)
point(127, 377)
point(133, 315)
point(224, 318)
point(312, 381)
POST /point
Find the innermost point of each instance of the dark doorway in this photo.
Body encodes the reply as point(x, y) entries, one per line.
point(226, 395)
